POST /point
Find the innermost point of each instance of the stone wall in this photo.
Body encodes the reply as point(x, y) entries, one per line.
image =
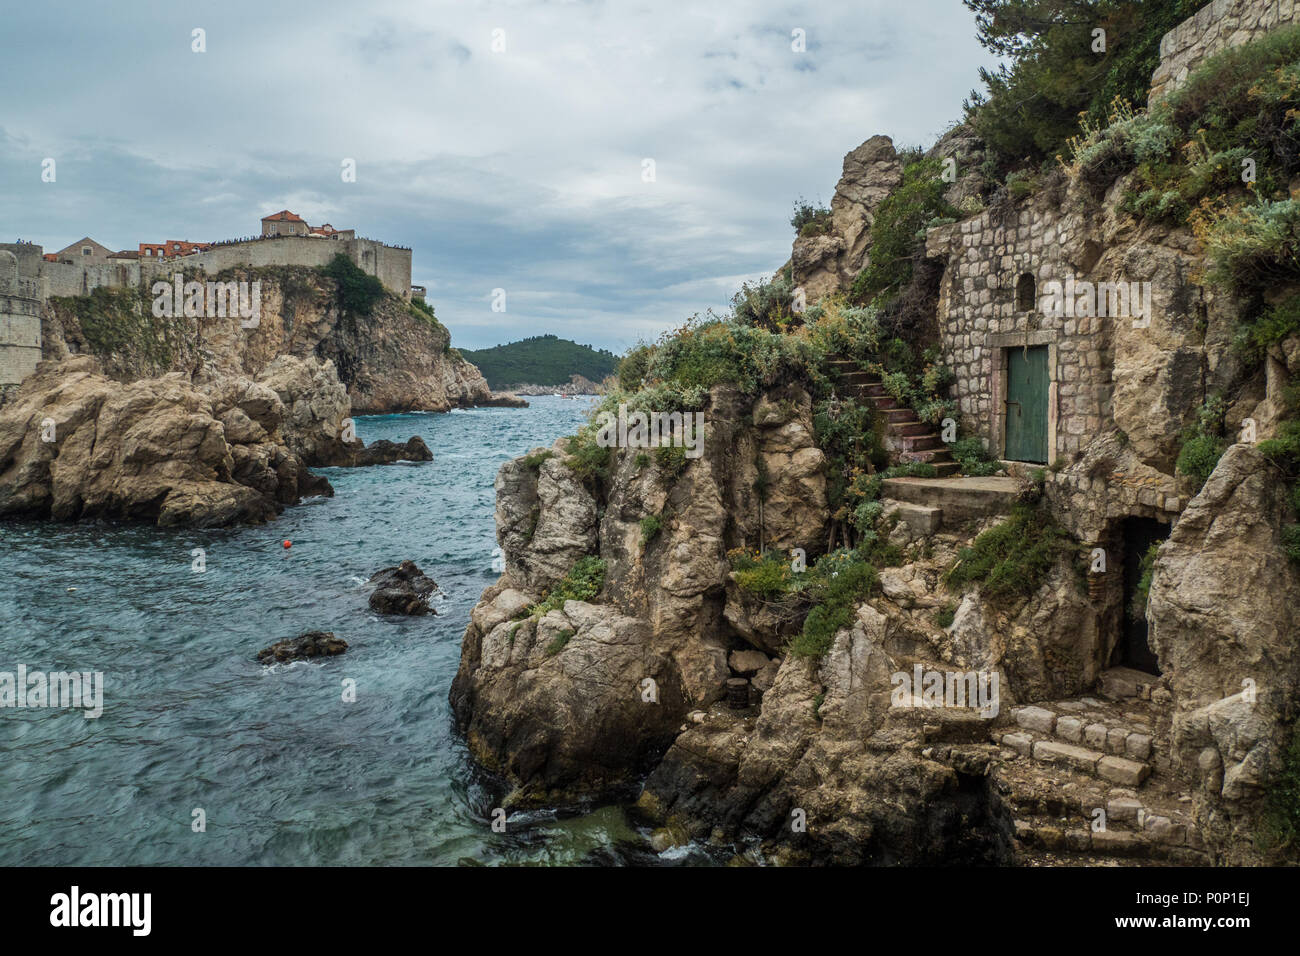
point(20, 324)
point(391, 264)
point(1215, 27)
point(979, 320)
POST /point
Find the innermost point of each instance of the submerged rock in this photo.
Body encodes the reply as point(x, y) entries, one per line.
point(403, 589)
point(311, 644)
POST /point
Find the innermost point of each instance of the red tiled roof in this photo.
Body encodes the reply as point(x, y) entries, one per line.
point(283, 215)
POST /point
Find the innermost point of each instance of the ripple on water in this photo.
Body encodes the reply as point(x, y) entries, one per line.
point(285, 771)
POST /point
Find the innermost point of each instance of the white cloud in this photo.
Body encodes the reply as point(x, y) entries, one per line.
point(519, 169)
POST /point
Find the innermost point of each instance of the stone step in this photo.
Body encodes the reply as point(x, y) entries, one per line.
point(960, 498)
point(887, 403)
point(1054, 799)
point(904, 429)
point(1111, 737)
point(919, 518)
point(1045, 834)
point(893, 415)
point(1117, 770)
point(946, 469)
point(927, 455)
point(922, 442)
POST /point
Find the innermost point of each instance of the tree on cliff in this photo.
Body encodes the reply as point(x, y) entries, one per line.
point(1057, 66)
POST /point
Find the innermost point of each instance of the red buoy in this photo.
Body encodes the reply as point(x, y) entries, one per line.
point(288, 543)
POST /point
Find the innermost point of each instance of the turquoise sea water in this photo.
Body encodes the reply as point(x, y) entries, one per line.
point(285, 771)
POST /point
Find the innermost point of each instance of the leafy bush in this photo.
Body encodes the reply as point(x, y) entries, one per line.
point(766, 575)
point(898, 232)
point(1252, 247)
point(766, 305)
point(1202, 443)
point(359, 291)
point(583, 582)
point(945, 615)
point(587, 458)
point(534, 461)
point(650, 527)
point(1137, 609)
point(840, 581)
point(810, 220)
point(1012, 559)
point(1198, 456)
point(974, 460)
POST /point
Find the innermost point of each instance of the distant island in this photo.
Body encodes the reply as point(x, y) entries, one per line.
point(543, 360)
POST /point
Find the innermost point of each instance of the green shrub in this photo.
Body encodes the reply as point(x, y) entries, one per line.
point(534, 461)
point(1198, 456)
point(559, 642)
point(945, 615)
point(587, 458)
point(671, 460)
point(810, 220)
point(1137, 609)
point(633, 367)
point(583, 582)
point(973, 458)
point(358, 290)
point(1202, 443)
point(650, 527)
point(840, 582)
point(766, 305)
point(1012, 559)
point(898, 232)
point(766, 575)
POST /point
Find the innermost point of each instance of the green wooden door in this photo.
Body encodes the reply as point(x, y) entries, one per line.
point(1027, 404)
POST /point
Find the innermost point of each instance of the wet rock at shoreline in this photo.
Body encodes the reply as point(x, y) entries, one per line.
point(302, 647)
point(76, 444)
point(403, 589)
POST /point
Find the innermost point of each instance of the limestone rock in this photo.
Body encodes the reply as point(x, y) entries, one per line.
point(153, 450)
point(827, 264)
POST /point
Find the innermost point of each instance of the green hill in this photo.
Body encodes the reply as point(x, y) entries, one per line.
point(541, 360)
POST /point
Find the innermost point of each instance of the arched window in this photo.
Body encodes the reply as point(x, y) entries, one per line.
point(1026, 297)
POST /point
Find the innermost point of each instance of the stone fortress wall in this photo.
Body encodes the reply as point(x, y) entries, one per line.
point(27, 280)
point(20, 321)
point(1215, 27)
point(391, 264)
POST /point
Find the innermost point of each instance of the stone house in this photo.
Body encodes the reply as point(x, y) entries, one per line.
point(85, 251)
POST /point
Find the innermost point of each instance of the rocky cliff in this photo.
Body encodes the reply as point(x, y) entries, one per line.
point(395, 358)
point(215, 451)
point(621, 696)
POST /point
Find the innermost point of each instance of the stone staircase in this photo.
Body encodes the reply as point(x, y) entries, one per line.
point(907, 437)
point(1086, 785)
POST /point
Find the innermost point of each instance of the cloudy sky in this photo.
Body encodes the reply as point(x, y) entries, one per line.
point(519, 169)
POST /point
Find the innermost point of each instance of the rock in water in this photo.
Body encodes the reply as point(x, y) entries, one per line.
point(404, 589)
point(385, 452)
point(311, 644)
